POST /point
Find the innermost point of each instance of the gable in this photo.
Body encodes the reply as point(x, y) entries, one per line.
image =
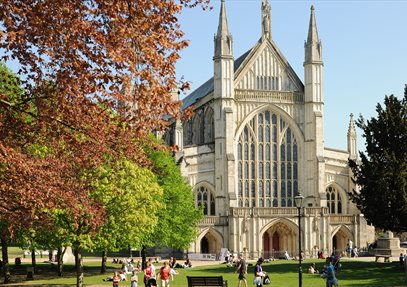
point(267, 69)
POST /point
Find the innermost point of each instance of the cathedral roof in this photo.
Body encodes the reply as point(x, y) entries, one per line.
point(208, 87)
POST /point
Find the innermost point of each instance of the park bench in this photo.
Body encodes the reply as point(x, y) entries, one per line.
point(386, 258)
point(206, 281)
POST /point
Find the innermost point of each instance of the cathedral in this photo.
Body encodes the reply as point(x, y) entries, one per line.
point(255, 142)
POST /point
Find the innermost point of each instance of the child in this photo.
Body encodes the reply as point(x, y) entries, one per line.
point(116, 279)
point(133, 279)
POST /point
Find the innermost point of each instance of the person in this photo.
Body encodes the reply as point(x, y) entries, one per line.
point(350, 246)
point(312, 269)
point(150, 260)
point(188, 263)
point(148, 273)
point(133, 279)
point(138, 266)
point(355, 252)
point(401, 259)
point(242, 269)
point(286, 255)
point(116, 279)
point(227, 256)
point(259, 273)
point(330, 274)
point(321, 255)
point(123, 276)
point(171, 262)
point(165, 274)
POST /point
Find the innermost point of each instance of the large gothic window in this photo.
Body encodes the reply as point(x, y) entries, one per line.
point(334, 200)
point(204, 198)
point(267, 163)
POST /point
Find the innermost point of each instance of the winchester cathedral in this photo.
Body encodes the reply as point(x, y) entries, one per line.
point(256, 140)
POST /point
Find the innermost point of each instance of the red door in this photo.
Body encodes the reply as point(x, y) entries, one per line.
point(266, 246)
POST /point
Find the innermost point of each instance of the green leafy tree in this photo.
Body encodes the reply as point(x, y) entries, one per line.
point(382, 172)
point(131, 197)
point(177, 224)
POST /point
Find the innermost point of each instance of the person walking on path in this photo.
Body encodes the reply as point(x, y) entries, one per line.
point(242, 269)
point(259, 273)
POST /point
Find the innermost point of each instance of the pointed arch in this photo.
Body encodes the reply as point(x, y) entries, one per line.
point(336, 198)
point(268, 144)
point(196, 128)
point(214, 239)
point(340, 237)
point(209, 126)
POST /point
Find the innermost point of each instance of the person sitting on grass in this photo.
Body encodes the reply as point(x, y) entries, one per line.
point(123, 276)
point(133, 279)
point(312, 269)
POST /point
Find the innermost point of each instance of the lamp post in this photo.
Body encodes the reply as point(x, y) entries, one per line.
point(298, 200)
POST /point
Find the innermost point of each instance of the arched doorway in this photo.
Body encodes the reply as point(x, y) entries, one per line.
point(278, 238)
point(211, 242)
point(340, 241)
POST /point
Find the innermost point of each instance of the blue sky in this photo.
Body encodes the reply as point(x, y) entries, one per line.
point(364, 50)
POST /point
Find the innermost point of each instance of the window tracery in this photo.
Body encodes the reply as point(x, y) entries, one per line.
point(205, 198)
point(267, 163)
point(334, 200)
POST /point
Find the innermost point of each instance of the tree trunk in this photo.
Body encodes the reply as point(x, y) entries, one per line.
point(33, 259)
point(104, 260)
point(79, 267)
point(143, 258)
point(6, 267)
point(60, 257)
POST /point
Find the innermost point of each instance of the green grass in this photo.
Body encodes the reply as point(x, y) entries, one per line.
point(282, 274)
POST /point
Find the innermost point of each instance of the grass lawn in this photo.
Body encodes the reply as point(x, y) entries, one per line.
point(282, 274)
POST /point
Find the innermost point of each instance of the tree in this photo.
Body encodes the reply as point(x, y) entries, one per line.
point(382, 172)
point(130, 195)
point(177, 224)
point(79, 60)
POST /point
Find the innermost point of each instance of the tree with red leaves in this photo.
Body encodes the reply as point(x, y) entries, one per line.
point(96, 78)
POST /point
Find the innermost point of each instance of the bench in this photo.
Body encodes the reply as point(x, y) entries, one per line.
point(206, 281)
point(386, 258)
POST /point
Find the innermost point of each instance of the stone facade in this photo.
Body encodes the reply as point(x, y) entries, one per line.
point(256, 141)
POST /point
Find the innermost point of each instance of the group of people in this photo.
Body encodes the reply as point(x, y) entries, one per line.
point(260, 276)
point(165, 273)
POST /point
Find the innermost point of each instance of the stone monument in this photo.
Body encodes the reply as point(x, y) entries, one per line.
point(388, 245)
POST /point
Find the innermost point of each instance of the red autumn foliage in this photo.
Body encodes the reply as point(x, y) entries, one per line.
point(97, 76)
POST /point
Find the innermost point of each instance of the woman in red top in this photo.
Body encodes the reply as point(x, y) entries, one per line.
point(148, 273)
point(165, 273)
point(116, 279)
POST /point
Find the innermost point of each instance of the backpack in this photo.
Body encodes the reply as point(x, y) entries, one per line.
point(266, 280)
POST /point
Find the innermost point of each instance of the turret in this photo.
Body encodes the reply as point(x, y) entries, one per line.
point(223, 39)
point(314, 111)
point(313, 46)
point(352, 139)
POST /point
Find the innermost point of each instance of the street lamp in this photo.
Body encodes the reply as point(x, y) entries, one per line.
point(298, 200)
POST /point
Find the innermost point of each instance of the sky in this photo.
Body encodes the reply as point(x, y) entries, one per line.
point(364, 50)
